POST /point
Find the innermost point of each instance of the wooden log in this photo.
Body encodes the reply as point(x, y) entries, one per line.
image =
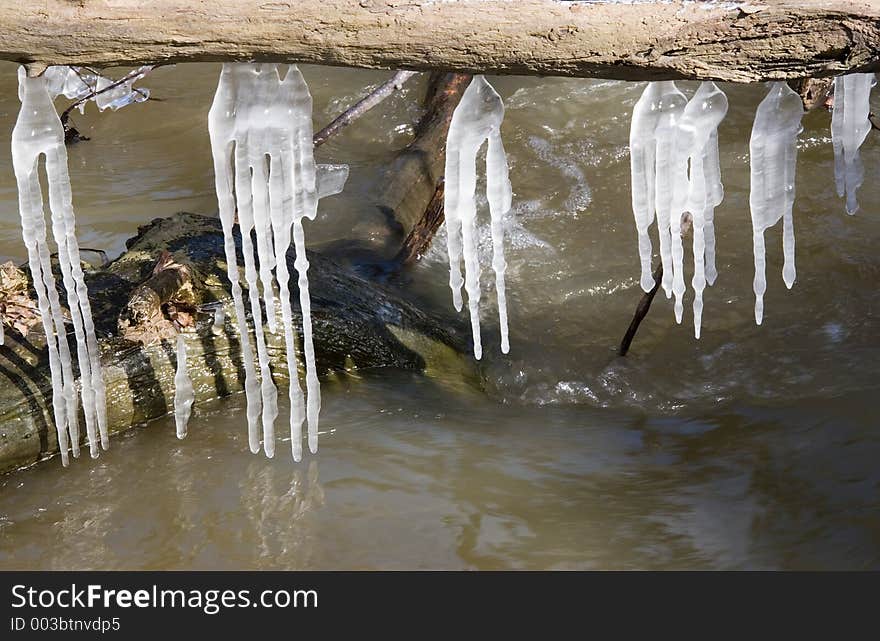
point(357, 324)
point(741, 42)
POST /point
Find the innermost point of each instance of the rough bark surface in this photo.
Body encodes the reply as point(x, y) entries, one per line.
point(767, 39)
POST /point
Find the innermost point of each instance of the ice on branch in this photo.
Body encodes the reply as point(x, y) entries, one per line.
point(773, 156)
point(77, 83)
point(38, 132)
point(849, 128)
point(697, 189)
point(184, 395)
point(476, 119)
point(261, 139)
point(652, 142)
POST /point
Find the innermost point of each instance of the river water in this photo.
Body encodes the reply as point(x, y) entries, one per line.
point(754, 447)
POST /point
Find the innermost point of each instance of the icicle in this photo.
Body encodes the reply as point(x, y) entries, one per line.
point(652, 144)
point(184, 395)
point(698, 192)
point(2, 333)
point(37, 132)
point(76, 83)
point(476, 119)
point(261, 137)
point(849, 128)
point(712, 169)
point(219, 320)
point(773, 156)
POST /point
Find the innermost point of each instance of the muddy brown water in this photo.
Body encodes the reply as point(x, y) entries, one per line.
point(754, 447)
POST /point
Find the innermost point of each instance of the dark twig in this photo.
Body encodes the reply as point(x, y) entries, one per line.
point(873, 119)
point(372, 99)
point(641, 311)
point(645, 303)
point(419, 238)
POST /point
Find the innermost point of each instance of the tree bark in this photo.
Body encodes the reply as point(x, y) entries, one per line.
point(764, 40)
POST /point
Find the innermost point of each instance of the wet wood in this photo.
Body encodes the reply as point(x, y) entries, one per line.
point(416, 171)
point(742, 42)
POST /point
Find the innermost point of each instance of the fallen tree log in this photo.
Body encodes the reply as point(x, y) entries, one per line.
point(357, 324)
point(741, 42)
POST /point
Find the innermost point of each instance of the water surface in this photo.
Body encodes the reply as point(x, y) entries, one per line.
point(754, 447)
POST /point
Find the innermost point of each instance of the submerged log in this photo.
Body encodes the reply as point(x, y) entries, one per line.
point(358, 324)
point(415, 175)
point(741, 42)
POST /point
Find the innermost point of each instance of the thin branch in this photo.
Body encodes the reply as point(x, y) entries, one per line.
point(372, 99)
point(644, 305)
point(642, 310)
point(137, 74)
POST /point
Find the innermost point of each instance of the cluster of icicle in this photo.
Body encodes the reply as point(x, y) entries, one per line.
point(38, 132)
point(476, 119)
point(76, 83)
point(261, 139)
point(675, 169)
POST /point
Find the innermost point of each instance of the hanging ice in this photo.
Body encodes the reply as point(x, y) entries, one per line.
point(219, 320)
point(261, 139)
point(476, 119)
point(849, 128)
point(696, 189)
point(184, 395)
point(652, 147)
point(77, 83)
point(773, 156)
point(37, 132)
point(71, 82)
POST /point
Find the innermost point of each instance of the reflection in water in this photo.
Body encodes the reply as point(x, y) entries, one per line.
point(750, 448)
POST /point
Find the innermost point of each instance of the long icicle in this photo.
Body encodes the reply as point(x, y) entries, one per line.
point(697, 191)
point(38, 131)
point(221, 127)
point(184, 395)
point(652, 150)
point(476, 119)
point(773, 156)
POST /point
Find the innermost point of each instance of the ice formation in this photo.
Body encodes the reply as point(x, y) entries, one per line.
point(38, 132)
point(652, 143)
point(184, 395)
point(261, 139)
point(219, 320)
point(773, 156)
point(849, 128)
point(77, 83)
point(697, 189)
point(476, 119)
